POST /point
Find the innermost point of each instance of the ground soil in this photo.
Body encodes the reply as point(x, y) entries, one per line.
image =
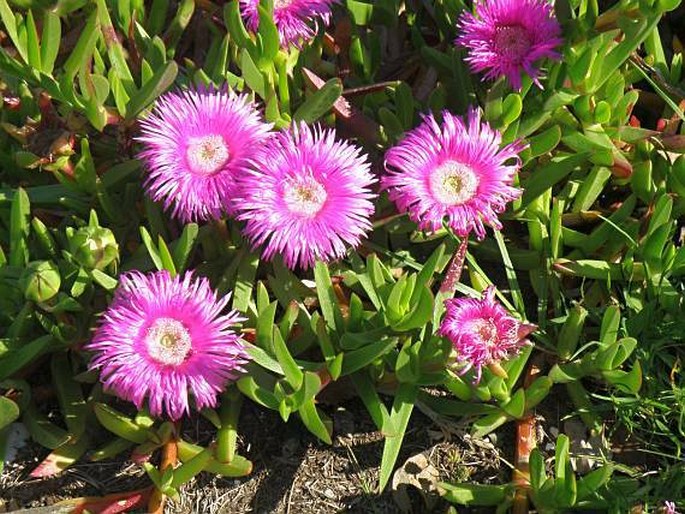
point(293, 471)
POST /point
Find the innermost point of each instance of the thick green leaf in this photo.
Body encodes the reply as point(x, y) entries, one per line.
point(250, 388)
point(420, 313)
point(10, 23)
point(152, 250)
point(9, 412)
point(32, 42)
point(268, 36)
point(42, 430)
point(394, 430)
point(474, 494)
point(69, 394)
point(242, 291)
point(17, 358)
point(550, 174)
point(516, 406)
point(358, 359)
point(312, 420)
point(183, 247)
point(19, 228)
point(320, 102)
point(571, 331)
point(115, 49)
point(61, 458)
point(252, 75)
point(591, 482)
point(238, 467)
point(293, 373)
point(487, 424)
point(162, 79)
point(236, 28)
point(122, 426)
point(611, 322)
point(165, 256)
point(327, 298)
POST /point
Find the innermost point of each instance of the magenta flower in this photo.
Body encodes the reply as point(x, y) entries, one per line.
point(455, 170)
point(670, 508)
point(482, 331)
point(309, 197)
point(297, 21)
point(509, 36)
point(164, 337)
point(197, 142)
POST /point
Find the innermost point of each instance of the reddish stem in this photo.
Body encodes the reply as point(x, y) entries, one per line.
point(525, 443)
point(169, 459)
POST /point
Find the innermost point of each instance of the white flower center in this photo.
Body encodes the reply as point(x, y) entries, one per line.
point(206, 155)
point(281, 4)
point(485, 330)
point(453, 183)
point(168, 342)
point(304, 196)
point(512, 41)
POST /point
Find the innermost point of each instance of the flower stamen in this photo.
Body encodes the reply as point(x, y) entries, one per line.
point(281, 4)
point(513, 42)
point(208, 154)
point(486, 330)
point(305, 196)
point(453, 183)
point(168, 342)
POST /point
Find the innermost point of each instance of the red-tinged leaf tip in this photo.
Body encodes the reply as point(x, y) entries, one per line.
point(112, 503)
point(526, 329)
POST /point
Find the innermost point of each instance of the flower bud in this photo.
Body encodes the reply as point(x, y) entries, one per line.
point(93, 247)
point(40, 281)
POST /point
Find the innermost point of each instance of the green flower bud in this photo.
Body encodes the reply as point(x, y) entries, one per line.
point(93, 247)
point(40, 281)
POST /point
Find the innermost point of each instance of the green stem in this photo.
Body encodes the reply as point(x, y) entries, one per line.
point(227, 435)
point(582, 402)
point(281, 63)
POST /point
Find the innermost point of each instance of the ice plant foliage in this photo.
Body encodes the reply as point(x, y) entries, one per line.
point(197, 142)
point(507, 37)
point(482, 331)
point(309, 197)
point(454, 170)
point(297, 21)
point(163, 338)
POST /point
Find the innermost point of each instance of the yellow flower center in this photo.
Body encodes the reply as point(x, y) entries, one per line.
point(168, 342)
point(453, 183)
point(305, 196)
point(206, 155)
point(486, 330)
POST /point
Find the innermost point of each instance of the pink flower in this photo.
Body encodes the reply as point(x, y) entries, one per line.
point(164, 337)
point(482, 331)
point(309, 197)
point(453, 170)
point(507, 37)
point(297, 21)
point(197, 142)
point(670, 508)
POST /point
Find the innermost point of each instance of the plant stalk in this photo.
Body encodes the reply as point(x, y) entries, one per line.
point(169, 459)
point(526, 441)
